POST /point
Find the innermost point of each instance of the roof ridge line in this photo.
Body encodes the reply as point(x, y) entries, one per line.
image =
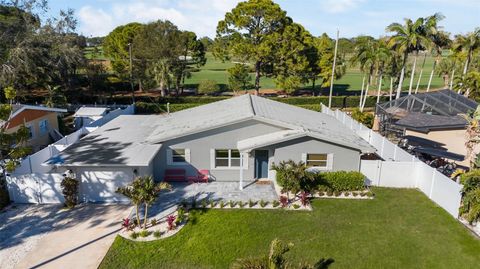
point(251, 104)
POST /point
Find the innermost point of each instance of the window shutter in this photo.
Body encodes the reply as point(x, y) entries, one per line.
point(187, 155)
point(304, 158)
point(169, 157)
point(330, 161)
point(212, 158)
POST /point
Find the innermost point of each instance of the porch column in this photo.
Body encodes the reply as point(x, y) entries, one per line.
point(241, 170)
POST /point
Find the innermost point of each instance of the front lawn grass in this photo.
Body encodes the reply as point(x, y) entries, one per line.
point(398, 229)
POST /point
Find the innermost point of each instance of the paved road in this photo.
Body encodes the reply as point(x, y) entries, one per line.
point(45, 236)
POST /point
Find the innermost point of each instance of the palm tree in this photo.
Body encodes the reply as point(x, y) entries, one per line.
point(149, 193)
point(365, 56)
point(470, 83)
point(383, 57)
point(133, 192)
point(439, 41)
point(409, 37)
point(467, 44)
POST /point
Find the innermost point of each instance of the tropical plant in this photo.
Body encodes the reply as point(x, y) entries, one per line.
point(469, 83)
point(171, 222)
point(149, 193)
point(127, 224)
point(410, 37)
point(470, 207)
point(468, 44)
point(293, 177)
point(305, 198)
point(143, 190)
point(284, 201)
point(276, 259)
point(472, 133)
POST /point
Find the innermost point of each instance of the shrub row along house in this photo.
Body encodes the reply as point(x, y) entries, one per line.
point(237, 139)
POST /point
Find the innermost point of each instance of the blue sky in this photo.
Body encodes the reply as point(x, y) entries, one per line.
point(351, 17)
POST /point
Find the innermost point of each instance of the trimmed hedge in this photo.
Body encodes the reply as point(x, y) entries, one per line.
point(340, 181)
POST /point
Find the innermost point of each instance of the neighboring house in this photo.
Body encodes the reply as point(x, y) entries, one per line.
point(42, 123)
point(237, 139)
point(87, 115)
point(433, 122)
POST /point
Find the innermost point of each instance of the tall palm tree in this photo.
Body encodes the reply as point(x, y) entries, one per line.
point(468, 44)
point(408, 38)
point(365, 56)
point(383, 57)
point(439, 41)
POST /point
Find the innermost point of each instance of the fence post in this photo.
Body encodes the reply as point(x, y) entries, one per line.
point(383, 146)
point(433, 183)
point(395, 153)
point(379, 171)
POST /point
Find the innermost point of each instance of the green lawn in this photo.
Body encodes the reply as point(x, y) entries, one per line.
point(398, 229)
point(216, 70)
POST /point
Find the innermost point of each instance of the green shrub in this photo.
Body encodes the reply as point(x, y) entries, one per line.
point(144, 233)
point(212, 203)
point(263, 203)
point(336, 193)
point(241, 204)
point(329, 193)
point(222, 204)
point(341, 181)
point(208, 86)
point(346, 194)
point(251, 203)
point(232, 204)
point(133, 235)
point(296, 206)
point(157, 234)
point(362, 194)
point(275, 203)
point(204, 203)
point(181, 217)
point(153, 222)
point(355, 194)
point(370, 194)
point(365, 118)
point(69, 187)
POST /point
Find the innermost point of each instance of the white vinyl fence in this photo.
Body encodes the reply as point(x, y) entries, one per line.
point(399, 169)
point(36, 182)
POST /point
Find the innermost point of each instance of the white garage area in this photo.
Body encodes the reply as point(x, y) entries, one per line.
point(100, 184)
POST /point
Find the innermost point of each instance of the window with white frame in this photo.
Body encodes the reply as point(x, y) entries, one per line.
point(227, 158)
point(178, 156)
point(43, 126)
point(318, 160)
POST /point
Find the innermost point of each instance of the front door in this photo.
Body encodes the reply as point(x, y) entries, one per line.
point(261, 164)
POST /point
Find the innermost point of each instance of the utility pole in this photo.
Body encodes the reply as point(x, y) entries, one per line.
point(333, 72)
point(131, 72)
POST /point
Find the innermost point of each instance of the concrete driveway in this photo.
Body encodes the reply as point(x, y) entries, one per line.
point(46, 236)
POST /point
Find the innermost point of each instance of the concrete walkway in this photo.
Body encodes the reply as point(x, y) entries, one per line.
point(77, 238)
point(169, 200)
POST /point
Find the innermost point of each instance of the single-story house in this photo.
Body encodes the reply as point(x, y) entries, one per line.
point(237, 139)
point(434, 122)
point(42, 123)
point(85, 115)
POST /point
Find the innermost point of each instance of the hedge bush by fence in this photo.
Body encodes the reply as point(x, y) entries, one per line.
point(340, 181)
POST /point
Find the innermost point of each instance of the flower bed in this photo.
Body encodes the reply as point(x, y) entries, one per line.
point(156, 230)
point(294, 204)
point(365, 194)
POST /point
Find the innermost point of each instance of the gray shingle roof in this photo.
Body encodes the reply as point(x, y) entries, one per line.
point(135, 139)
point(121, 142)
point(253, 107)
point(90, 111)
point(425, 122)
